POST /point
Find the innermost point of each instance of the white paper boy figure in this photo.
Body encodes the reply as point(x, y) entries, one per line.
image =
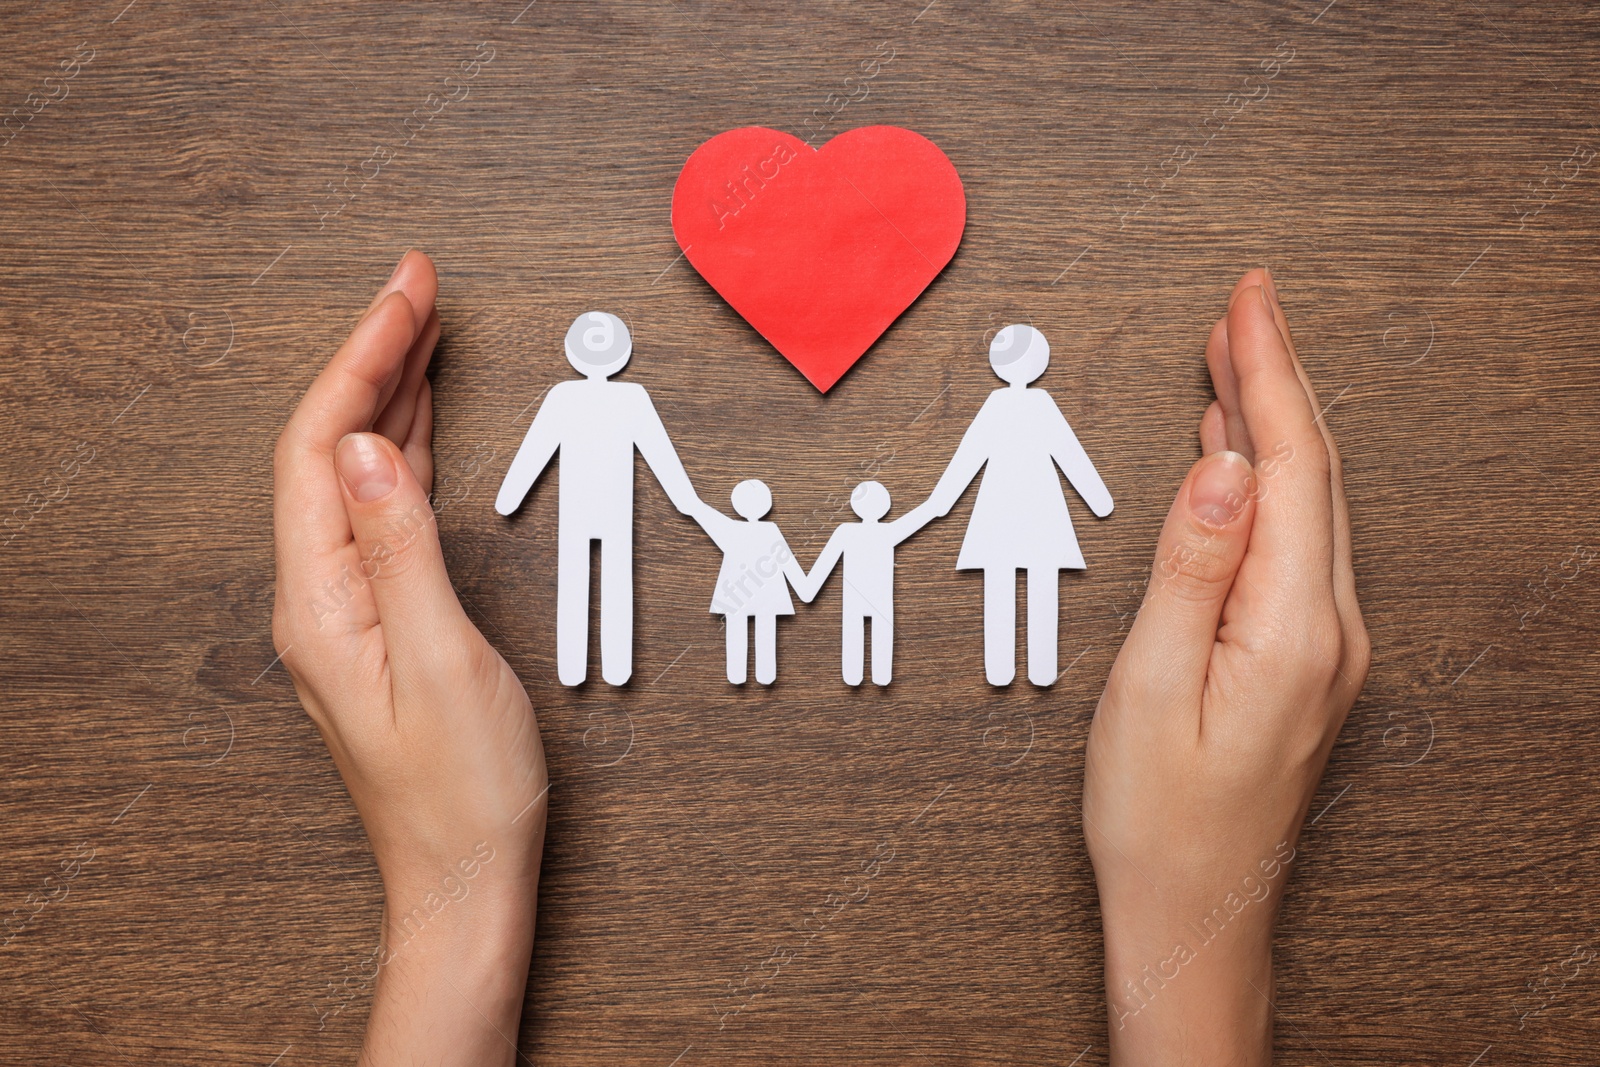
point(596, 424)
point(757, 569)
point(867, 548)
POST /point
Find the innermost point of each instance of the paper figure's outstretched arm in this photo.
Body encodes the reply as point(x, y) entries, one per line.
point(656, 448)
point(712, 521)
point(971, 455)
point(810, 585)
point(543, 438)
point(1079, 469)
point(912, 521)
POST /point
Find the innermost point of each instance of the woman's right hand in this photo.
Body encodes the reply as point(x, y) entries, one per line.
point(1220, 711)
point(431, 731)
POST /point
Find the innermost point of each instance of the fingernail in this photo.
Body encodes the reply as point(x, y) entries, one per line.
point(383, 290)
point(1272, 286)
point(1233, 297)
point(365, 468)
point(1272, 315)
point(1220, 489)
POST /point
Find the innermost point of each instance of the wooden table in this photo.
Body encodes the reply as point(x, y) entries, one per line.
point(207, 195)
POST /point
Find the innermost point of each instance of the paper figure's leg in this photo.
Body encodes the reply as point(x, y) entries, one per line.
point(572, 609)
point(1043, 615)
point(738, 646)
point(766, 649)
point(882, 649)
point(616, 609)
point(1000, 624)
point(854, 646)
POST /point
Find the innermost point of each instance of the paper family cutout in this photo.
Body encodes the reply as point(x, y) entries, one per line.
point(819, 249)
point(1019, 521)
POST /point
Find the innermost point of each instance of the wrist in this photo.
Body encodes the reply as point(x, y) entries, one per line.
point(1189, 991)
point(478, 932)
point(453, 967)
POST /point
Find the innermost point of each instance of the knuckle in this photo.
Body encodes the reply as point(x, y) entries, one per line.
point(403, 544)
point(1314, 451)
point(1303, 456)
point(1318, 645)
point(1196, 566)
point(1307, 645)
point(282, 631)
point(1358, 653)
point(283, 449)
point(1306, 749)
point(286, 631)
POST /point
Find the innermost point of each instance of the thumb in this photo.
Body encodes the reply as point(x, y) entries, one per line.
point(399, 544)
point(1197, 558)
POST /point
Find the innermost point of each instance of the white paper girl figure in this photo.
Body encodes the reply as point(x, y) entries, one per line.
point(1020, 519)
point(757, 569)
point(867, 548)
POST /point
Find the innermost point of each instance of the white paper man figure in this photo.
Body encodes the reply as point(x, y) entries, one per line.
point(596, 424)
point(1020, 519)
point(757, 569)
point(867, 548)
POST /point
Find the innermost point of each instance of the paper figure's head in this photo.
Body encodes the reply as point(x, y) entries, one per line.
point(598, 344)
point(1019, 354)
point(752, 499)
point(870, 500)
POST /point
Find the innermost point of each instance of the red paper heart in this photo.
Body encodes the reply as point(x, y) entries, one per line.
point(819, 250)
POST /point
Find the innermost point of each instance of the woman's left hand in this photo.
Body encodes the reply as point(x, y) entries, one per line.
point(1220, 711)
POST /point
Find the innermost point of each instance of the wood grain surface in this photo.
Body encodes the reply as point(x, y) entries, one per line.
point(200, 197)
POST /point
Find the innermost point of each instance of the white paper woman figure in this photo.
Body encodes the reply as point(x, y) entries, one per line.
point(1020, 519)
point(596, 424)
point(757, 569)
point(867, 548)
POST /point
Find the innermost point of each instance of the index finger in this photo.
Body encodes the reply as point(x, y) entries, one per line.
point(1292, 543)
point(311, 525)
point(1343, 569)
point(330, 406)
